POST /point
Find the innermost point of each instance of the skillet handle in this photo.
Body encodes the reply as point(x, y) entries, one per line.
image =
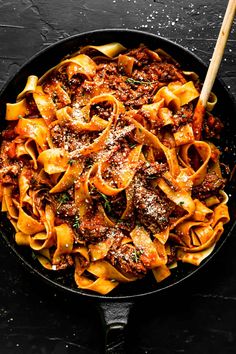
point(115, 318)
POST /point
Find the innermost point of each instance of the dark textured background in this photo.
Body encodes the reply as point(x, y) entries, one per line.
point(199, 317)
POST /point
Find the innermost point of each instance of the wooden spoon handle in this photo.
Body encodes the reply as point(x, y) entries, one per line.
point(213, 68)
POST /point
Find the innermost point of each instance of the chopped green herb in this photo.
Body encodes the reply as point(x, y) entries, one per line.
point(88, 162)
point(139, 82)
point(132, 145)
point(140, 129)
point(76, 222)
point(70, 162)
point(152, 177)
point(106, 202)
point(181, 203)
point(34, 256)
point(136, 255)
point(62, 199)
point(20, 116)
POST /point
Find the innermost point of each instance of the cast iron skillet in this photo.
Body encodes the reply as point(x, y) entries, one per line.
point(115, 307)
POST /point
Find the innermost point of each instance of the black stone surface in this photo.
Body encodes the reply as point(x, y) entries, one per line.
point(197, 317)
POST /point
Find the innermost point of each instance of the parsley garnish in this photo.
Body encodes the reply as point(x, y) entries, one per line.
point(151, 177)
point(136, 255)
point(181, 203)
point(34, 256)
point(62, 199)
point(76, 222)
point(138, 82)
point(132, 145)
point(106, 202)
point(88, 162)
point(70, 162)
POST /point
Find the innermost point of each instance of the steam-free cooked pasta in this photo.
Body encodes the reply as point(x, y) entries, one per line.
point(101, 172)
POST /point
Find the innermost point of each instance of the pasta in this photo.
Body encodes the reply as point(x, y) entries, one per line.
point(101, 172)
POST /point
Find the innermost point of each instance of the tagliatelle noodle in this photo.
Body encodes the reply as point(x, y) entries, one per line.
point(100, 171)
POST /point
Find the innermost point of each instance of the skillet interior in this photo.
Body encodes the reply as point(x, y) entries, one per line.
point(225, 109)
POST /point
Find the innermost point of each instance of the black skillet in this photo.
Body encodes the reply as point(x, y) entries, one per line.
point(115, 307)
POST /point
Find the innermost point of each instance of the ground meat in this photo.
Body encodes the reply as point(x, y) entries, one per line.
point(147, 77)
point(67, 209)
point(103, 110)
point(93, 233)
point(140, 54)
point(163, 73)
point(153, 208)
point(171, 255)
point(153, 169)
point(9, 168)
point(63, 262)
point(212, 127)
point(9, 133)
point(8, 174)
point(92, 229)
point(63, 137)
point(182, 116)
point(138, 99)
point(210, 186)
point(126, 258)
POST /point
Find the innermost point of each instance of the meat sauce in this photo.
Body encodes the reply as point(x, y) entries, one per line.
point(151, 207)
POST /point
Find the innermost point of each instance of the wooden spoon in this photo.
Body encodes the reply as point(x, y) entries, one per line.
point(213, 69)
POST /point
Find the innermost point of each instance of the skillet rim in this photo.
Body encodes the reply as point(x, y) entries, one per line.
point(144, 35)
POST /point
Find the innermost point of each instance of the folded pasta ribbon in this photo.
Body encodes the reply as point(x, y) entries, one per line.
point(79, 64)
point(207, 233)
point(30, 87)
point(42, 240)
point(98, 144)
point(110, 49)
point(74, 119)
point(107, 277)
point(177, 193)
point(44, 104)
point(56, 161)
point(149, 254)
point(58, 93)
point(145, 137)
point(64, 241)
point(125, 173)
point(14, 111)
point(27, 224)
point(177, 95)
point(126, 63)
point(35, 129)
point(20, 109)
point(204, 150)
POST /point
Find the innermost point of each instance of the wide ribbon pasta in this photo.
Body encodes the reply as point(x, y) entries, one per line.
point(103, 172)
